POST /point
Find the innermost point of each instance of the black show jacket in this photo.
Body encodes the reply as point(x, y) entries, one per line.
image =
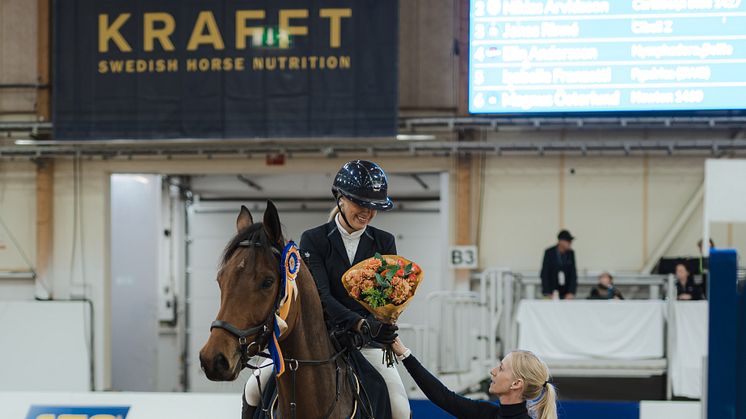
point(325, 255)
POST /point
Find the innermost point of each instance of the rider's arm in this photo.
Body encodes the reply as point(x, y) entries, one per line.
point(339, 314)
point(436, 392)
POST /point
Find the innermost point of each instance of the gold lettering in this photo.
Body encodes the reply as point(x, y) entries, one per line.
point(270, 63)
point(215, 64)
point(129, 66)
point(102, 67)
point(257, 63)
point(313, 60)
point(335, 24)
point(191, 64)
point(286, 30)
point(344, 62)
point(108, 33)
point(205, 20)
point(331, 62)
point(282, 61)
point(242, 31)
point(142, 65)
point(204, 64)
point(173, 65)
point(163, 34)
point(240, 64)
point(294, 63)
point(116, 66)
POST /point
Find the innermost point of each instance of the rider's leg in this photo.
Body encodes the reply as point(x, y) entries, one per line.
point(397, 393)
point(252, 395)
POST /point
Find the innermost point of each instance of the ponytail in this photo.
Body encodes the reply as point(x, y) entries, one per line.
point(546, 406)
point(540, 393)
point(333, 213)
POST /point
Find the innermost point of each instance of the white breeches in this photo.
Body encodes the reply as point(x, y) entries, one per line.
point(397, 393)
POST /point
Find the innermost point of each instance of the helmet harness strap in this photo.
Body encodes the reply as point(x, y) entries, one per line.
point(343, 214)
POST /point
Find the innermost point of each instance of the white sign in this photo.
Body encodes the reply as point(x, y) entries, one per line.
point(109, 405)
point(725, 195)
point(463, 257)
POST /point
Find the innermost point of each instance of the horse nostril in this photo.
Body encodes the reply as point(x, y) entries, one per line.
point(220, 363)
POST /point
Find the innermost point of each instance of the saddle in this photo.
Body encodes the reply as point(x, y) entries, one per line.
point(372, 397)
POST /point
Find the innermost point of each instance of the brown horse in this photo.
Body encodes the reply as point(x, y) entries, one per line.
point(249, 280)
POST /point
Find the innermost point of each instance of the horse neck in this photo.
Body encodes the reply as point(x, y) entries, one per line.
point(308, 340)
point(305, 340)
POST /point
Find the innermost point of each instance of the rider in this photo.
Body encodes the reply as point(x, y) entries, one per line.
point(329, 250)
point(360, 189)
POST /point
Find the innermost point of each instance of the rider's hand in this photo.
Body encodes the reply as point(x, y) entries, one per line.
point(382, 332)
point(372, 329)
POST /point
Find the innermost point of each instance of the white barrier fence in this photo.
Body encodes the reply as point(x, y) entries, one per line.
point(467, 331)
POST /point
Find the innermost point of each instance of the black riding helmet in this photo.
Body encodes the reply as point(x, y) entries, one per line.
point(364, 183)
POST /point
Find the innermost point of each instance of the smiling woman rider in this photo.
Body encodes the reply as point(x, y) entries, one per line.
point(521, 382)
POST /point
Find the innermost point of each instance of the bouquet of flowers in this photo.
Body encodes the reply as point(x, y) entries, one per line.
point(384, 285)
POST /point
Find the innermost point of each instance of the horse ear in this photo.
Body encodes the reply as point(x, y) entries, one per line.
point(272, 223)
point(244, 219)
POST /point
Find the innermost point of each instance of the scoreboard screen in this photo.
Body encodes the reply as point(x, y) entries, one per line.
point(581, 56)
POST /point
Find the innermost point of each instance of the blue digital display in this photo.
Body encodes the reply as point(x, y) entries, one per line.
point(580, 56)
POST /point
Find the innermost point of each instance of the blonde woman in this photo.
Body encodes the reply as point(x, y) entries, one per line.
point(521, 381)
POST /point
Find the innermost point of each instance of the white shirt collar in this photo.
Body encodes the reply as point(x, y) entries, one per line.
point(345, 235)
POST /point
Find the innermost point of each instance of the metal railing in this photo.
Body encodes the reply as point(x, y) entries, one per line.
point(531, 282)
point(456, 327)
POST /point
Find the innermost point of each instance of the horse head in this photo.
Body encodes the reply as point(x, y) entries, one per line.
point(249, 280)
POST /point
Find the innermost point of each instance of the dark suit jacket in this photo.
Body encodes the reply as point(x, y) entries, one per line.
point(550, 269)
point(325, 255)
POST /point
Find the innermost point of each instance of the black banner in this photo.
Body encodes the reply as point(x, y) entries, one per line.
point(151, 69)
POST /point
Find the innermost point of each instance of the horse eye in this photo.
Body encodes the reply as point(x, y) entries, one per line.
point(267, 283)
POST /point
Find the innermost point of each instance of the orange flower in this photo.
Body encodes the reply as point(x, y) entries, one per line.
point(373, 264)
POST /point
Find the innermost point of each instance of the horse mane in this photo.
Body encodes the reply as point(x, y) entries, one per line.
point(254, 233)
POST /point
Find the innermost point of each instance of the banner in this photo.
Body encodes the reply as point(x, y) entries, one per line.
point(152, 69)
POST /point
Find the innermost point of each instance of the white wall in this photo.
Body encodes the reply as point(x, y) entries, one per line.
point(527, 200)
point(17, 214)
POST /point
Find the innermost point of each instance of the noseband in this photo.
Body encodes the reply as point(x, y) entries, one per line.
point(263, 331)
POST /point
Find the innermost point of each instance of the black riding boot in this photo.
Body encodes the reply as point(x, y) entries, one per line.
point(247, 412)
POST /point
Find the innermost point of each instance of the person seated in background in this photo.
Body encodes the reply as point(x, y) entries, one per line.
point(520, 377)
point(686, 289)
point(605, 289)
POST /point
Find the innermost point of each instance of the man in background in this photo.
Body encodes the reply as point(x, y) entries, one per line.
point(559, 278)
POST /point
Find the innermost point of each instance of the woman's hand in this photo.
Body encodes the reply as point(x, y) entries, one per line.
point(398, 347)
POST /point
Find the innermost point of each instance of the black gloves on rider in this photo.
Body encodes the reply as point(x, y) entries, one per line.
point(377, 331)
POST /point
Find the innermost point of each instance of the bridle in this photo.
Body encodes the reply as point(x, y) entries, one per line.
point(263, 331)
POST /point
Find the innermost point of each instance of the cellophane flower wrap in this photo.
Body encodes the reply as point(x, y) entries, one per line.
point(384, 285)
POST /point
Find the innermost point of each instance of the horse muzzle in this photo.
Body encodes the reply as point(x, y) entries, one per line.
point(217, 366)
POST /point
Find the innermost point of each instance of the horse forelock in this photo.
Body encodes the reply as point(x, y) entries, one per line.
point(254, 233)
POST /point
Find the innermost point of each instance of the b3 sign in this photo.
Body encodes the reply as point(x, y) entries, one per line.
point(463, 257)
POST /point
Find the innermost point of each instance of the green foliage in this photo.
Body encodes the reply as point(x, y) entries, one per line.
point(375, 297)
